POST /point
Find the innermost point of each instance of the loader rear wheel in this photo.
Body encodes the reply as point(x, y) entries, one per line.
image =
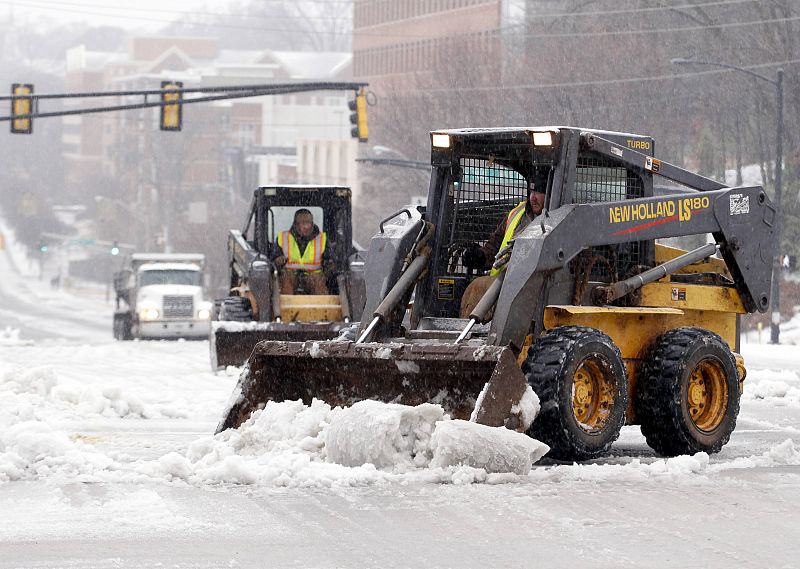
point(579, 376)
point(235, 308)
point(688, 393)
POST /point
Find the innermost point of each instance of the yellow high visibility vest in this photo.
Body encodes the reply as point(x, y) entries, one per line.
point(310, 260)
point(512, 222)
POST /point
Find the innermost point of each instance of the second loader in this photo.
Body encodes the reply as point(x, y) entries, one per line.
point(256, 308)
point(606, 325)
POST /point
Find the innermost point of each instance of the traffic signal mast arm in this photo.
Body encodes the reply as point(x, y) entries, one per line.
point(167, 97)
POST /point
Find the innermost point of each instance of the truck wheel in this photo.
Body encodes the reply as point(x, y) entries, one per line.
point(579, 376)
point(122, 327)
point(127, 330)
point(688, 393)
point(235, 308)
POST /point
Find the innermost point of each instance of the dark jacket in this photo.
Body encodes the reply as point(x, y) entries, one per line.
point(492, 246)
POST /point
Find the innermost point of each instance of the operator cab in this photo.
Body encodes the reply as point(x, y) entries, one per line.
point(273, 210)
point(487, 172)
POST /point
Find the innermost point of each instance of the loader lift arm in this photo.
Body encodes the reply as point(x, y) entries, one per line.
point(732, 215)
point(643, 162)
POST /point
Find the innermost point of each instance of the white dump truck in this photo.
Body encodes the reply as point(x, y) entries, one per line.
point(160, 295)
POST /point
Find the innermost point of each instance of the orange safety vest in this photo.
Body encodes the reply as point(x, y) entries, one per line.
point(311, 259)
point(512, 222)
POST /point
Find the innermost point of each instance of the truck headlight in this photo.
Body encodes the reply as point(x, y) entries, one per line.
point(149, 314)
point(203, 314)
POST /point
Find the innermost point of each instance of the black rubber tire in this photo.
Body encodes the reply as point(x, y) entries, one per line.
point(236, 309)
point(550, 368)
point(122, 327)
point(662, 394)
point(127, 331)
point(217, 307)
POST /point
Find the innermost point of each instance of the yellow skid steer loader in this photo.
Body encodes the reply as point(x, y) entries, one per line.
point(606, 325)
point(256, 309)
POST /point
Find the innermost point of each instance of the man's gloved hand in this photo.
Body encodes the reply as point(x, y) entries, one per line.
point(279, 261)
point(474, 257)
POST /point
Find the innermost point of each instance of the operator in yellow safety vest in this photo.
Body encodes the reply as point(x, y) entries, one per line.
point(301, 254)
point(482, 257)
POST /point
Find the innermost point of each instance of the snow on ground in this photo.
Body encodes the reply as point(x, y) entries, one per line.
point(62, 408)
point(286, 444)
point(107, 459)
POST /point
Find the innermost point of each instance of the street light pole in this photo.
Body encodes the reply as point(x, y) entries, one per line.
point(775, 325)
point(775, 293)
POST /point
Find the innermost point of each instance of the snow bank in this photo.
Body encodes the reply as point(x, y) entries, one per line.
point(401, 438)
point(633, 470)
point(291, 444)
point(33, 449)
point(39, 387)
point(785, 453)
point(10, 337)
point(780, 388)
point(386, 435)
point(493, 449)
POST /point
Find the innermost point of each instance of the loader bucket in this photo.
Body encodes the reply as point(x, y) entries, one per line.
point(231, 343)
point(342, 373)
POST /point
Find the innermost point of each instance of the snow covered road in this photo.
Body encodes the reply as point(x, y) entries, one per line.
point(107, 460)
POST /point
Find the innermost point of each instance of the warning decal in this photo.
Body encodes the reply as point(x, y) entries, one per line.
point(678, 294)
point(740, 204)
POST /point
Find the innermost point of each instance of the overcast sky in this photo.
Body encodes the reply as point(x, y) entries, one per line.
point(133, 14)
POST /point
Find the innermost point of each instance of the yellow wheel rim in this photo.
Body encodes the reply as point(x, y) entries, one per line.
point(707, 395)
point(592, 395)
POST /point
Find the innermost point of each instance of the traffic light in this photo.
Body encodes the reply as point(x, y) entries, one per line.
point(171, 115)
point(115, 248)
point(358, 118)
point(21, 104)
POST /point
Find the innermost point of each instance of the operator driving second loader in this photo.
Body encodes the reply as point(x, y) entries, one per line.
point(294, 272)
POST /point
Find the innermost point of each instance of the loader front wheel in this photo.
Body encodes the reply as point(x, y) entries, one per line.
point(579, 376)
point(687, 398)
point(235, 308)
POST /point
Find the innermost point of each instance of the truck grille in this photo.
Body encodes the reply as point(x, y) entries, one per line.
point(178, 307)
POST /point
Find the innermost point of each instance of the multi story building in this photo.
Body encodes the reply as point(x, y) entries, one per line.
point(404, 39)
point(224, 149)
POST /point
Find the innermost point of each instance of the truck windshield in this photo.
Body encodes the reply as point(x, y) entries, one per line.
point(175, 277)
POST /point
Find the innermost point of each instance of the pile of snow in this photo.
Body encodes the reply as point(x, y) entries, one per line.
point(493, 449)
point(785, 453)
point(402, 438)
point(386, 435)
point(23, 390)
point(10, 337)
point(33, 449)
point(776, 387)
point(291, 444)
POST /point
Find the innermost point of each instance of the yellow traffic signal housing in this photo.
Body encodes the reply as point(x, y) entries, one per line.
point(171, 114)
point(358, 118)
point(21, 104)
